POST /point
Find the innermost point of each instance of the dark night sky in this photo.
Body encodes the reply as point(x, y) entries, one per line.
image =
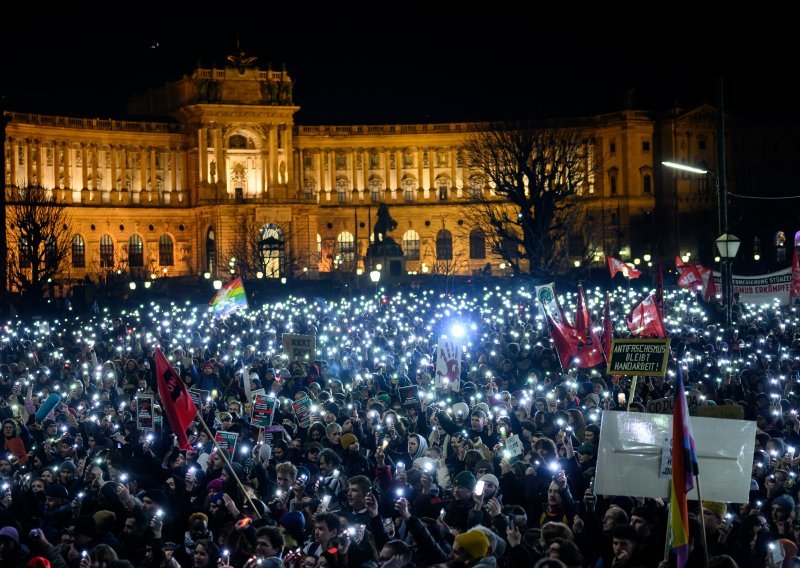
point(376, 63)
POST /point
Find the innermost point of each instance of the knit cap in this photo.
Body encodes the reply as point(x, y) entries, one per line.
point(474, 543)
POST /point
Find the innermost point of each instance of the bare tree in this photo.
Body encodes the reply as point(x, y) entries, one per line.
point(536, 173)
point(39, 240)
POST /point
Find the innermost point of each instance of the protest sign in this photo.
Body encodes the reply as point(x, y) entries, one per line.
point(448, 364)
point(409, 396)
point(144, 412)
point(666, 405)
point(302, 412)
point(639, 357)
point(762, 288)
point(227, 441)
point(199, 397)
point(302, 347)
point(514, 446)
point(632, 446)
point(272, 434)
point(263, 410)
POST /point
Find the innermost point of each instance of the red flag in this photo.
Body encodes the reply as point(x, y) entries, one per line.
point(589, 351)
point(583, 320)
point(794, 290)
point(628, 270)
point(644, 320)
point(696, 277)
point(608, 329)
point(178, 406)
point(564, 339)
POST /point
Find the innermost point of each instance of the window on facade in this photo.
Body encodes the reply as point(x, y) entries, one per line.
point(648, 184)
point(272, 250)
point(135, 251)
point(166, 255)
point(645, 146)
point(341, 190)
point(106, 252)
point(409, 189)
point(575, 244)
point(477, 244)
point(408, 159)
point(612, 147)
point(444, 245)
point(51, 254)
point(341, 161)
point(613, 183)
point(375, 190)
point(211, 250)
point(237, 142)
point(24, 252)
point(411, 245)
point(374, 161)
point(78, 252)
point(319, 247)
point(346, 246)
point(443, 188)
point(476, 187)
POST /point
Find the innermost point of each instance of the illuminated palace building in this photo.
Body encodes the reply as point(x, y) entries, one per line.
point(229, 168)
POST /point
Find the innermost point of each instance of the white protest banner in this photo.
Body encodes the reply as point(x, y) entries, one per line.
point(762, 288)
point(448, 364)
point(546, 294)
point(632, 445)
point(514, 446)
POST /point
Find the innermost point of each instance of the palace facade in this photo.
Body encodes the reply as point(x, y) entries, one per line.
point(179, 196)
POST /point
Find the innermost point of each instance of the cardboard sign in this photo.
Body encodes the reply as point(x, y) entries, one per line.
point(263, 410)
point(630, 456)
point(666, 405)
point(144, 413)
point(227, 441)
point(302, 412)
point(272, 433)
point(448, 364)
point(302, 347)
point(198, 397)
point(639, 357)
point(409, 396)
point(514, 446)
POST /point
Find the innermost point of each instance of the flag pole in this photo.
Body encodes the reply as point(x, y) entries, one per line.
point(222, 453)
point(702, 517)
point(668, 539)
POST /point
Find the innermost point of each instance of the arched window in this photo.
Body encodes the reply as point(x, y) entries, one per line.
point(647, 182)
point(166, 255)
point(135, 251)
point(211, 250)
point(237, 142)
point(106, 252)
point(477, 244)
point(346, 246)
point(51, 253)
point(270, 240)
point(409, 188)
point(411, 245)
point(78, 252)
point(444, 245)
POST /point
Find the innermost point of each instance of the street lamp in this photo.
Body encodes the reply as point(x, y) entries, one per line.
point(728, 246)
point(375, 276)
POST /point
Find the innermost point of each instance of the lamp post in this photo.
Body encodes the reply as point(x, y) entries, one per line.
point(375, 276)
point(728, 246)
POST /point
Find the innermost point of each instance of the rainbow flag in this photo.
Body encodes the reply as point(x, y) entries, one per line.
point(684, 466)
point(228, 299)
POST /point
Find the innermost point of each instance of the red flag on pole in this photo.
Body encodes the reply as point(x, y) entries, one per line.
point(644, 320)
point(583, 320)
point(628, 270)
point(564, 340)
point(608, 329)
point(696, 277)
point(589, 352)
point(178, 406)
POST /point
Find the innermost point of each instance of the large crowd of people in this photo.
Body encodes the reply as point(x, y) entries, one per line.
point(499, 472)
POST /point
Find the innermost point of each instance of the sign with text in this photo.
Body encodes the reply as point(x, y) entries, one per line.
point(409, 396)
point(302, 412)
point(763, 288)
point(144, 413)
point(272, 433)
point(639, 357)
point(199, 397)
point(263, 410)
point(227, 441)
point(666, 405)
point(302, 347)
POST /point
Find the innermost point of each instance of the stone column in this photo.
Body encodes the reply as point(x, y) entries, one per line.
point(123, 162)
point(354, 169)
point(387, 171)
point(67, 166)
point(173, 172)
point(28, 163)
point(398, 164)
point(273, 156)
point(421, 170)
point(431, 166)
point(459, 183)
point(143, 158)
point(94, 167)
point(84, 167)
point(289, 153)
point(153, 171)
point(202, 154)
point(113, 158)
point(318, 169)
point(14, 159)
point(222, 167)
